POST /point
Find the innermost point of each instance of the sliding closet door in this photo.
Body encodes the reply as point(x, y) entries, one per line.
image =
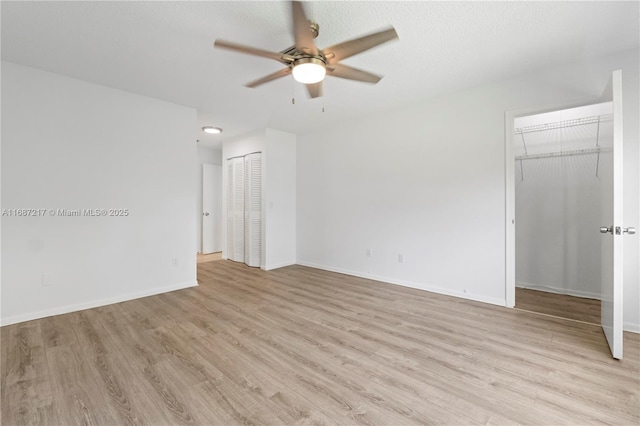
point(235, 209)
point(253, 209)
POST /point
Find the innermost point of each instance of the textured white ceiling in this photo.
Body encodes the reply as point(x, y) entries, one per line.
point(165, 50)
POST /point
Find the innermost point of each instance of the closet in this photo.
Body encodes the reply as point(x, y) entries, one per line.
point(558, 200)
point(244, 209)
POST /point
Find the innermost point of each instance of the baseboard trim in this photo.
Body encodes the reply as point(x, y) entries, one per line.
point(410, 284)
point(279, 265)
point(95, 303)
point(631, 327)
point(557, 290)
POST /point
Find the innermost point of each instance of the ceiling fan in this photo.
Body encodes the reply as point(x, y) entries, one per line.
point(306, 62)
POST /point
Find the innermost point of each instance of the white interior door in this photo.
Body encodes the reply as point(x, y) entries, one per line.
point(610, 173)
point(211, 206)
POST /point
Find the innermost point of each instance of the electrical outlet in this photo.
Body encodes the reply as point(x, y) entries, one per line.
point(401, 258)
point(174, 262)
point(368, 252)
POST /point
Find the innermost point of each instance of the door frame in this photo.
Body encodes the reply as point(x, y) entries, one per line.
point(510, 193)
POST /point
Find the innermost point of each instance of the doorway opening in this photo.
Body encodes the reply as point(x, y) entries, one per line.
point(211, 218)
point(211, 257)
point(609, 169)
point(560, 157)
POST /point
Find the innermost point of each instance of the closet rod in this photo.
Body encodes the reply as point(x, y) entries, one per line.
point(562, 153)
point(561, 124)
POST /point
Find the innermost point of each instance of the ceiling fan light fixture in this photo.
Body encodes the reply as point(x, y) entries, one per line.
point(309, 70)
point(212, 130)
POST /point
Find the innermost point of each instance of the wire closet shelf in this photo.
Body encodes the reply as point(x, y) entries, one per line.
point(583, 121)
point(562, 125)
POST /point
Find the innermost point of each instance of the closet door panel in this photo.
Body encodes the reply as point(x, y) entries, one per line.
point(230, 212)
point(238, 216)
point(247, 203)
point(244, 209)
point(253, 210)
point(235, 209)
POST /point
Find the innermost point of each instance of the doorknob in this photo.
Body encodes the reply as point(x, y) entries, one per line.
point(604, 229)
point(630, 230)
point(205, 214)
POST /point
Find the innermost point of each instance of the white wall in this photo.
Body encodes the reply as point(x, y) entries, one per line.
point(428, 182)
point(280, 198)
point(205, 156)
point(69, 144)
point(558, 205)
point(279, 192)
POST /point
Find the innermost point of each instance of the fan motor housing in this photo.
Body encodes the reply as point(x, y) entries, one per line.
point(310, 60)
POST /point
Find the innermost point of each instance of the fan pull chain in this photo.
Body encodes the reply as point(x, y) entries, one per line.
point(293, 92)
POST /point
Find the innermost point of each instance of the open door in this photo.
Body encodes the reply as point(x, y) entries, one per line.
point(211, 210)
point(612, 230)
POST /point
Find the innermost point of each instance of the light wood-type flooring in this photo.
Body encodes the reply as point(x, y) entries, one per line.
point(209, 257)
point(304, 346)
point(559, 305)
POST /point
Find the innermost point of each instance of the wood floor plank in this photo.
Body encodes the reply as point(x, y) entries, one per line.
point(25, 358)
point(136, 354)
point(125, 391)
point(559, 305)
point(209, 257)
point(27, 397)
point(78, 397)
point(334, 367)
point(329, 302)
point(58, 331)
point(303, 346)
point(391, 335)
point(257, 378)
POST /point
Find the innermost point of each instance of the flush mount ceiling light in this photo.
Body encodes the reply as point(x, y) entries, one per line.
point(212, 130)
point(309, 70)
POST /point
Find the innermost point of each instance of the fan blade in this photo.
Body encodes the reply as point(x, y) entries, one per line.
point(315, 89)
point(345, 49)
point(343, 71)
point(270, 77)
point(280, 57)
point(302, 30)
